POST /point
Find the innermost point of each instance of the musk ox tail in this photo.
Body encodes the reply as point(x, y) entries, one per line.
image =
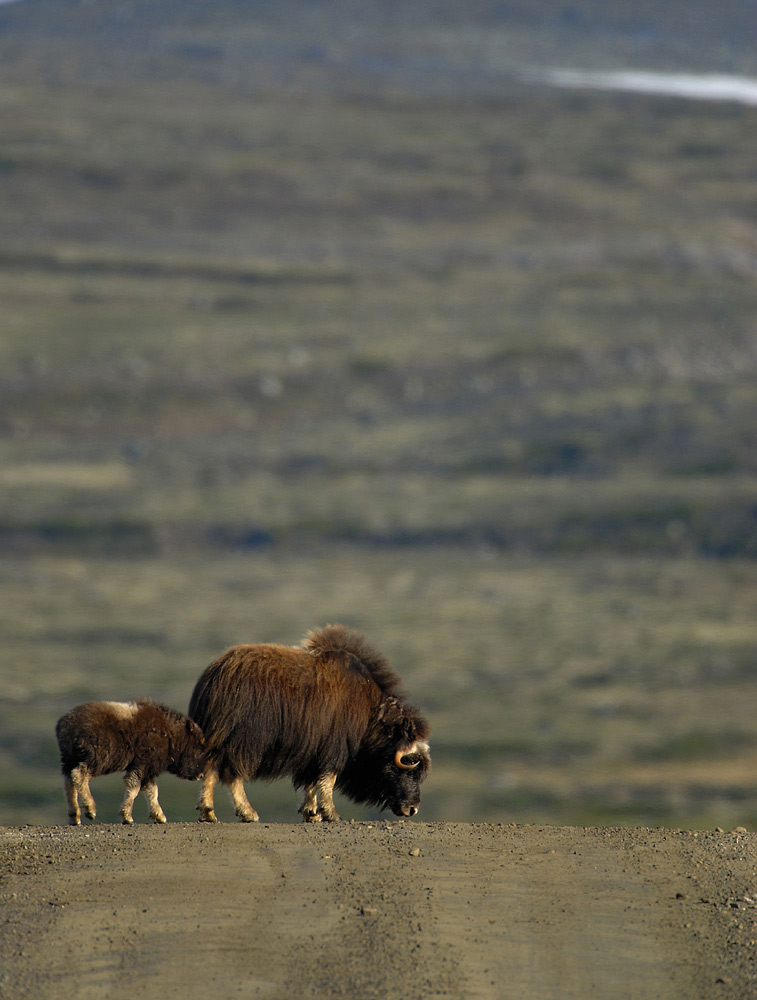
point(338, 640)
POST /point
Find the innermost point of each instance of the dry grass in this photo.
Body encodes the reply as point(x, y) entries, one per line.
point(567, 691)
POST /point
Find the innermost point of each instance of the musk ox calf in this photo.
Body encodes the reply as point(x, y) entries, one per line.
point(328, 714)
point(138, 737)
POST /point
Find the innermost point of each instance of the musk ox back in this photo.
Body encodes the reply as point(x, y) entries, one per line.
point(327, 714)
point(141, 738)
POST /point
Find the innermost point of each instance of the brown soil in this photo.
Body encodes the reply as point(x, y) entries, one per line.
point(388, 909)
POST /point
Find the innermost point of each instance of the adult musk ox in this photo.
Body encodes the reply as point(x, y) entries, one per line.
point(141, 738)
point(327, 714)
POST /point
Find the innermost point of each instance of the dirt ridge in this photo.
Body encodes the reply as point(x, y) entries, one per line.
point(362, 910)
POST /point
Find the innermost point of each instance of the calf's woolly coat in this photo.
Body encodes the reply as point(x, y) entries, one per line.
point(141, 738)
point(327, 714)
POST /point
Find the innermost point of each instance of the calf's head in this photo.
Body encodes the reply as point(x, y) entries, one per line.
point(189, 755)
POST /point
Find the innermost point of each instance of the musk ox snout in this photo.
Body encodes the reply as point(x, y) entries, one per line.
point(406, 809)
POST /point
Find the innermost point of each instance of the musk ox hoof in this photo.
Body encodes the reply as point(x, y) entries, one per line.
point(320, 815)
point(127, 821)
point(74, 821)
point(248, 817)
point(159, 819)
point(207, 816)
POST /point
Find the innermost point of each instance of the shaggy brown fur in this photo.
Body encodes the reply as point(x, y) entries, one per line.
point(139, 737)
point(327, 714)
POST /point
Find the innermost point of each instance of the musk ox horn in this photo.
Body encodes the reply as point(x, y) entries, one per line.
point(415, 748)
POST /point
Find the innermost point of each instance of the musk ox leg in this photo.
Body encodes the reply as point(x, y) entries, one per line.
point(309, 807)
point(72, 799)
point(133, 783)
point(311, 811)
point(80, 777)
point(242, 806)
point(326, 793)
point(205, 807)
point(150, 790)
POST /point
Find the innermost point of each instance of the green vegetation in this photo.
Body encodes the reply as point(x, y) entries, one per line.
point(626, 681)
point(471, 371)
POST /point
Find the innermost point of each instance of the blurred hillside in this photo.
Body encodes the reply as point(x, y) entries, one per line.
point(317, 311)
point(428, 46)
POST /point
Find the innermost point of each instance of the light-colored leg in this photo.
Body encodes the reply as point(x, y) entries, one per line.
point(326, 792)
point(205, 808)
point(309, 807)
point(311, 811)
point(72, 800)
point(81, 779)
point(241, 804)
point(150, 790)
point(132, 790)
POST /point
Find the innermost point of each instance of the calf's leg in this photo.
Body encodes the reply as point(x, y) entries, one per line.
point(133, 784)
point(72, 799)
point(80, 779)
point(150, 790)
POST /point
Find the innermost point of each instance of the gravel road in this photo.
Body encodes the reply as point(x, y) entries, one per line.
point(384, 910)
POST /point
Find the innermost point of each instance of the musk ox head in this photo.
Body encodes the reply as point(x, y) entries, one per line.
point(409, 767)
point(392, 763)
point(189, 755)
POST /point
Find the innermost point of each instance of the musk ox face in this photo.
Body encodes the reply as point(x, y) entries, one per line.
point(391, 781)
point(409, 767)
point(188, 752)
